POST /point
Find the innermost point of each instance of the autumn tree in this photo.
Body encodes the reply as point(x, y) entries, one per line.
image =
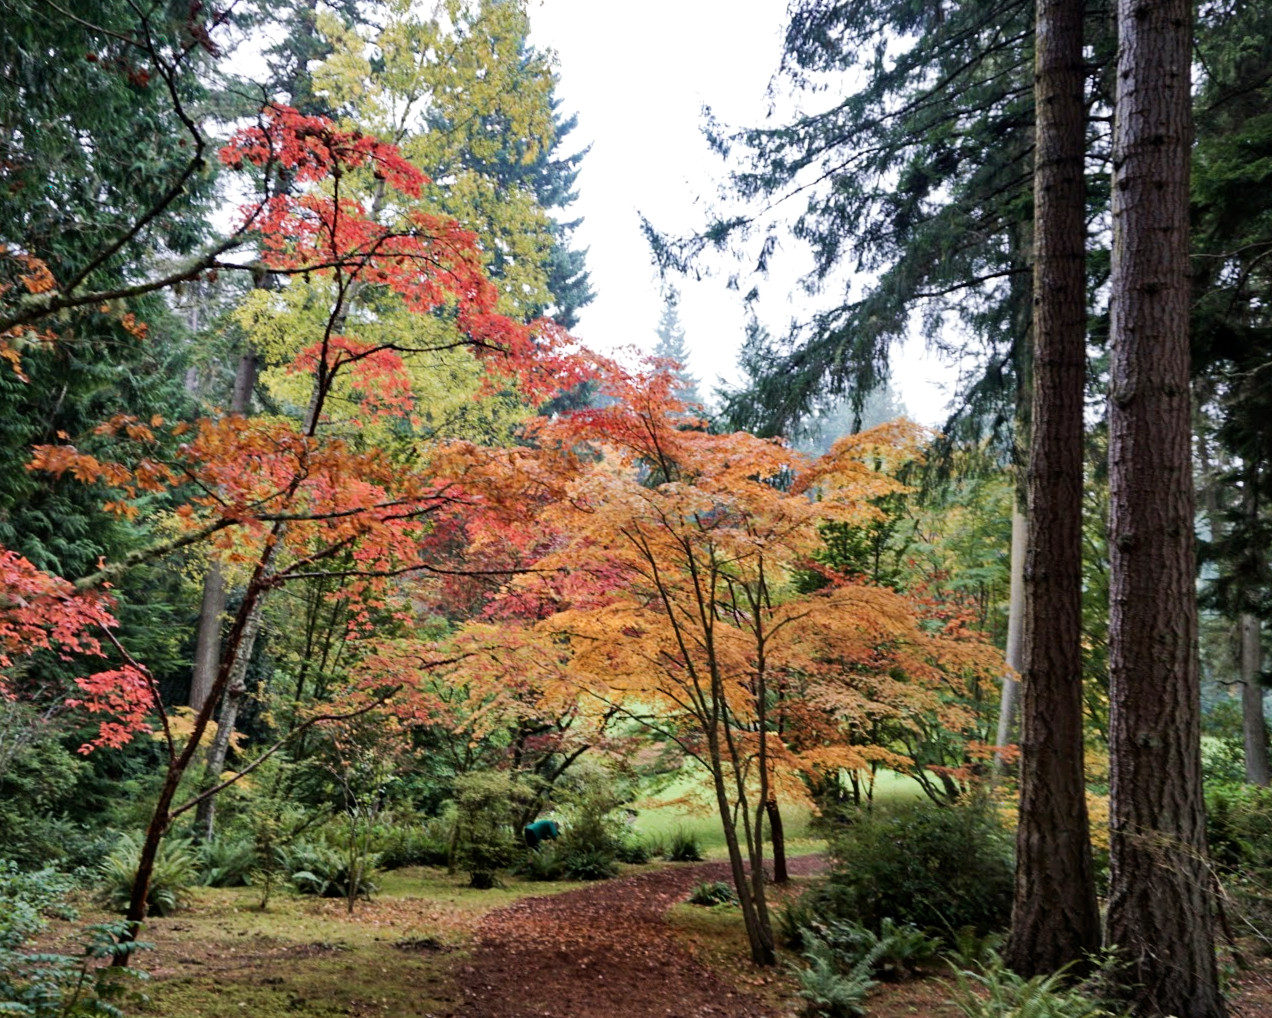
point(1160, 907)
point(278, 496)
point(699, 628)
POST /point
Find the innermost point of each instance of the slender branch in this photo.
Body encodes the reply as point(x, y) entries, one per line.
point(303, 726)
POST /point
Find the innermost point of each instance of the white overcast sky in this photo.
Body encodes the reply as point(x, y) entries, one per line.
point(638, 76)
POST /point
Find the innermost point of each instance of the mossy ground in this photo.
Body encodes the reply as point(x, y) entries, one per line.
point(302, 956)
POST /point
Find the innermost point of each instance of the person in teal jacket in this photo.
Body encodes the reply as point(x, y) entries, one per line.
point(541, 830)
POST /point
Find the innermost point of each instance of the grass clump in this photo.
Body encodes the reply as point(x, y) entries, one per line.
point(683, 846)
point(713, 892)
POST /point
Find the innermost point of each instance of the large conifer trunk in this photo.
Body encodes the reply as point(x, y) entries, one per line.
point(1054, 919)
point(1160, 900)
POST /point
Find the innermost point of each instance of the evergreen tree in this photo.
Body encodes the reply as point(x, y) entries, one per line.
point(918, 178)
point(1055, 920)
point(1160, 903)
point(671, 347)
point(1232, 330)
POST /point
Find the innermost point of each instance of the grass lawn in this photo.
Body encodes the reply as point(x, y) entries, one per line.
point(688, 805)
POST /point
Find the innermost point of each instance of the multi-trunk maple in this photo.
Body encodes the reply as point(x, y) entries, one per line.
point(667, 596)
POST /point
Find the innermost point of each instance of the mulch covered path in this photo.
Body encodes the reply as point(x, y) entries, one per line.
point(603, 951)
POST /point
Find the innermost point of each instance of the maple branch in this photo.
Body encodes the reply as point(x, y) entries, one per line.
point(302, 727)
point(143, 555)
point(34, 306)
point(151, 684)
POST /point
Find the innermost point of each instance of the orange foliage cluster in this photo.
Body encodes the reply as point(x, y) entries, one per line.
point(280, 496)
point(663, 581)
point(41, 612)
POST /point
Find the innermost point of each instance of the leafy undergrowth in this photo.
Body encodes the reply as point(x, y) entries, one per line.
point(716, 938)
point(417, 950)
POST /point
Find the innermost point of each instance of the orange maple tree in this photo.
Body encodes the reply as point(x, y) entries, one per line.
point(698, 630)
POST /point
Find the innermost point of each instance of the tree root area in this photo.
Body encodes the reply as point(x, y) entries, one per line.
point(603, 951)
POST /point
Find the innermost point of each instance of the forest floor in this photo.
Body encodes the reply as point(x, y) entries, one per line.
point(428, 947)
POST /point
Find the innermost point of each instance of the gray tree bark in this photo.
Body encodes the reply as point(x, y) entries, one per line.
point(1009, 698)
point(1254, 728)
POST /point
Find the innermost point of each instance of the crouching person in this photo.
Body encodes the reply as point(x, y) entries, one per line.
point(539, 831)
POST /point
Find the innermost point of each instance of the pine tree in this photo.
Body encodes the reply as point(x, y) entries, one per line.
point(1160, 903)
point(1055, 920)
point(671, 347)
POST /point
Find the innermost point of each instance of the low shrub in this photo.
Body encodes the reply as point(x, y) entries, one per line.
point(713, 892)
point(419, 843)
point(588, 863)
point(633, 851)
point(797, 915)
point(543, 862)
point(1239, 827)
point(683, 846)
point(44, 985)
point(322, 871)
point(994, 991)
point(939, 868)
point(486, 804)
point(226, 861)
point(176, 870)
point(27, 900)
point(831, 988)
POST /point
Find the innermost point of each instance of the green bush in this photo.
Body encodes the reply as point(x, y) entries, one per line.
point(43, 985)
point(486, 805)
point(798, 915)
point(831, 989)
point(315, 868)
point(226, 861)
point(633, 851)
point(937, 867)
point(589, 863)
point(1239, 826)
point(176, 870)
point(416, 843)
point(713, 892)
point(683, 846)
point(28, 899)
point(543, 862)
point(892, 954)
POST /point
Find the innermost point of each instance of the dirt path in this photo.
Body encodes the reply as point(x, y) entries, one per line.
point(603, 951)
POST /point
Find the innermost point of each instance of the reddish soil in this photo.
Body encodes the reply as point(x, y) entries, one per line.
point(601, 951)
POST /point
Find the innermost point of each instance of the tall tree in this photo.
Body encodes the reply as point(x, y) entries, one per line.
point(1055, 921)
point(910, 188)
point(671, 346)
point(1160, 888)
point(1232, 330)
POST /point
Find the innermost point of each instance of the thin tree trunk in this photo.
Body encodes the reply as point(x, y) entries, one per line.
point(207, 650)
point(1160, 908)
point(780, 873)
point(1009, 699)
point(235, 693)
point(161, 815)
point(207, 653)
point(1253, 726)
point(1055, 918)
